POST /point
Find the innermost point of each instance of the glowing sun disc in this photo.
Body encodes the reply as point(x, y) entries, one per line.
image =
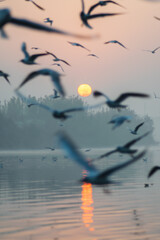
point(84, 90)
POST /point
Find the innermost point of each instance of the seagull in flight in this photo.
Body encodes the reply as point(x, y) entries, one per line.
point(153, 170)
point(6, 17)
point(93, 176)
point(152, 51)
point(48, 20)
point(92, 55)
point(86, 16)
point(56, 59)
point(117, 42)
point(134, 131)
point(117, 103)
point(102, 3)
point(5, 75)
point(118, 121)
point(55, 94)
point(125, 148)
point(30, 59)
point(78, 45)
point(55, 78)
point(63, 115)
point(41, 8)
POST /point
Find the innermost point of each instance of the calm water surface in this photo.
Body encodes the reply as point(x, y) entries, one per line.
point(41, 198)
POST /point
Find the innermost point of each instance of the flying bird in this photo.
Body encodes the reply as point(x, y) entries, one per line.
point(134, 131)
point(30, 59)
point(117, 103)
point(85, 16)
point(117, 42)
point(5, 75)
point(55, 78)
point(63, 115)
point(125, 148)
point(102, 3)
point(78, 45)
point(55, 95)
point(6, 17)
point(92, 55)
point(93, 175)
point(48, 20)
point(118, 121)
point(153, 170)
point(152, 51)
point(56, 59)
point(41, 8)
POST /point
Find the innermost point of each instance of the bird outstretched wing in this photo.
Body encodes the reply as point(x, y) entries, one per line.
point(129, 144)
point(123, 96)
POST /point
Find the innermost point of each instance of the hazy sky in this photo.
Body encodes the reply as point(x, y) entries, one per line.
point(117, 70)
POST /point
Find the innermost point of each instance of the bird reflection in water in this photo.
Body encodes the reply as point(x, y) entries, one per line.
point(87, 204)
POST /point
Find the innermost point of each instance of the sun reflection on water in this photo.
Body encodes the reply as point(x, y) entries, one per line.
point(87, 205)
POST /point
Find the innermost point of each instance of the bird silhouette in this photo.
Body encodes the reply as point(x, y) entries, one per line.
point(116, 42)
point(92, 55)
point(102, 3)
point(59, 65)
point(125, 148)
point(30, 59)
point(55, 78)
point(134, 131)
point(48, 20)
point(93, 176)
point(117, 103)
point(152, 51)
point(85, 16)
point(78, 45)
point(118, 121)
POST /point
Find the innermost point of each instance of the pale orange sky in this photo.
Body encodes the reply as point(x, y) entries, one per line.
point(117, 70)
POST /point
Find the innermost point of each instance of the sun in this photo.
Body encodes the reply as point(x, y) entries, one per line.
point(84, 90)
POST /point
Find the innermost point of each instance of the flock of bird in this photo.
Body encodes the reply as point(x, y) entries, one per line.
point(93, 175)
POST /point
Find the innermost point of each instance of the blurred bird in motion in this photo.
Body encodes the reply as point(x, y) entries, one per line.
point(41, 8)
point(117, 103)
point(93, 175)
point(5, 75)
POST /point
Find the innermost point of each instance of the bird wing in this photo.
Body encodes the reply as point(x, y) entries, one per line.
point(6, 78)
point(55, 77)
point(98, 93)
point(157, 18)
point(29, 77)
point(123, 96)
point(153, 170)
point(34, 56)
point(24, 50)
point(156, 49)
point(102, 15)
point(92, 8)
point(64, 62)
point(72, 151)
point(129, 144)
point(116, 168)
point(51, 54)
point(82, 1)
point(37, 5)
point(121, 44)
point(106, 154)
point(42, 27)
point(138, 126)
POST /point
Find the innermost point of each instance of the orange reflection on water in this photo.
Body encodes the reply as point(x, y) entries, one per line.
point(87, 205)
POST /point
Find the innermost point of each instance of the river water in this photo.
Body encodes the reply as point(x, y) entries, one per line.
point(41, 198)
